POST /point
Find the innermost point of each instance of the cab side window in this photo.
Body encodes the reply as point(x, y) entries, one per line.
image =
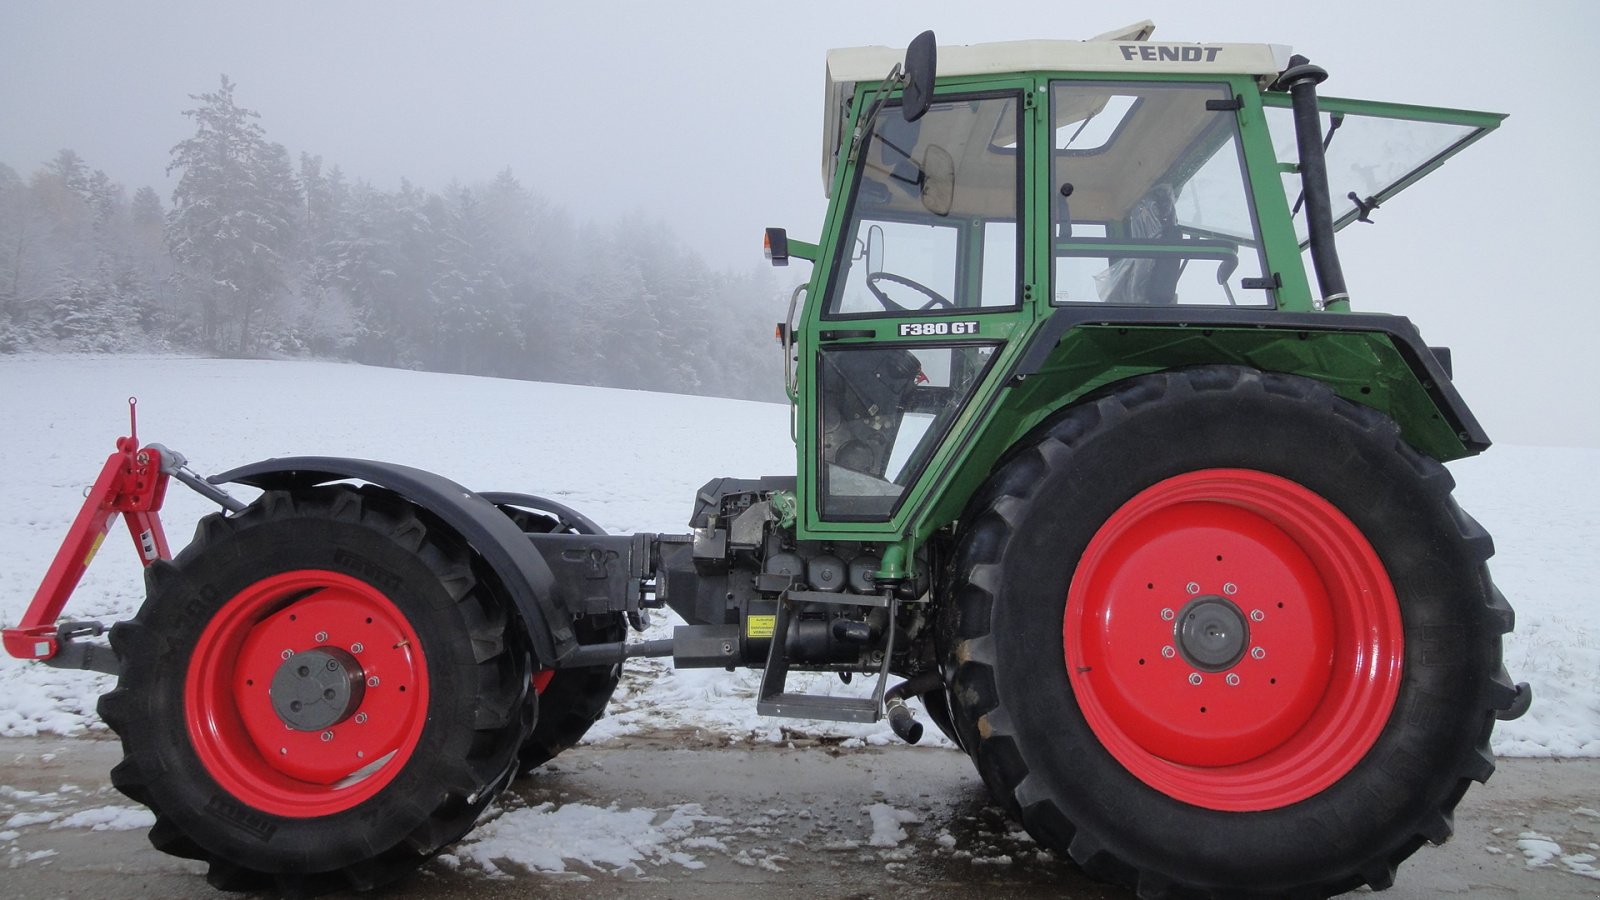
point(1150, 205)
point(933, 226)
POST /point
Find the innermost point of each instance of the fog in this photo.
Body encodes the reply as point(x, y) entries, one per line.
point(708, 116)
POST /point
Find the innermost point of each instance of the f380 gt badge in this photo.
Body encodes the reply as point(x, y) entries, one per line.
point(929, 329)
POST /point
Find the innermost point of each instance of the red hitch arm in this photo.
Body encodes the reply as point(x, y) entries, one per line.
point(131, 483)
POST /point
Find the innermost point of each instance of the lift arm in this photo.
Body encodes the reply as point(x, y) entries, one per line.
point(132, 483)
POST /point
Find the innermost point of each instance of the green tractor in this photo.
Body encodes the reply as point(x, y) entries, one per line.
point(1156, 532)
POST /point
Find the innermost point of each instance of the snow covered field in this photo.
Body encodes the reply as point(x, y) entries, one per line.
point(632, 462)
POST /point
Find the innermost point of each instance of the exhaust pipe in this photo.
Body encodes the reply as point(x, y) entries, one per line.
point(901, 719)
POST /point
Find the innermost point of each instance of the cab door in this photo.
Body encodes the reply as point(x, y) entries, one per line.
point(915, 309)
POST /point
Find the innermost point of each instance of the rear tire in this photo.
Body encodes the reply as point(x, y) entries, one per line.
point(1341, 625)
point(415, 695)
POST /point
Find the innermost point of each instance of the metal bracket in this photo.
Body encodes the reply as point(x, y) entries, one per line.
point(1262, 284)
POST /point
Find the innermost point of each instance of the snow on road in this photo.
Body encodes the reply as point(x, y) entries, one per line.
point(631, 461)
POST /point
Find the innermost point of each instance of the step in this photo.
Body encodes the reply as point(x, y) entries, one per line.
point(816, 706)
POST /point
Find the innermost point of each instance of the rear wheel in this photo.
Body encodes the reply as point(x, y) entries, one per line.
point(1278, 655)
point(317, 694)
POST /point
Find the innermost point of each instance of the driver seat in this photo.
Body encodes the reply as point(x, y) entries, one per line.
point(1155, 218)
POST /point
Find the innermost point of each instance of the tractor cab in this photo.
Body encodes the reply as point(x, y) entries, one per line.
point(1037, 178)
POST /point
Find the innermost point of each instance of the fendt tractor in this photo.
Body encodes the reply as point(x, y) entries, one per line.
point(1154, 531)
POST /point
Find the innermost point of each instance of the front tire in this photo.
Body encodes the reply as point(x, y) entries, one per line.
point(1279, 650)
point(318, 693)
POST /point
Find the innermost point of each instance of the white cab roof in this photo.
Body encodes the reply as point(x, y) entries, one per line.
point(1124, 50)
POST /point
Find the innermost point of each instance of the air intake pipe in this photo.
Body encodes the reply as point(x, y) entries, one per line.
point(1301, 80)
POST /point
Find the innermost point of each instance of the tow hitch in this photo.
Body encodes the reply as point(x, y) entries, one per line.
point(133, 484)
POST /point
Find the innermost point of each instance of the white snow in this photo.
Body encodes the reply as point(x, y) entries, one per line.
point(108, 818)
point(24, 819)
point(632, 461)
point(1542, 852)
point(546, 837)
point(886, 822)
point(32, 856)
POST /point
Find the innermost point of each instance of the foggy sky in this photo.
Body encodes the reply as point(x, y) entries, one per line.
point(707, 116)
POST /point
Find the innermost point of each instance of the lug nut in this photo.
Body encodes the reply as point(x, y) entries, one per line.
point(361, 718)
point(1232, 679)
point(1168, 652)
point(1192, 587)
point(1258, 653)
point(1230, 588)
point(1168, 615)
point(286, 654)
point(322, 636)
point(356, 647)
point(327, 736)
point(1257, 615)
point(373, 681)
point(1194, 678)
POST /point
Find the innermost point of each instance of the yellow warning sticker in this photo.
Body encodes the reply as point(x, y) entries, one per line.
point(94, 548)
point(759, 626)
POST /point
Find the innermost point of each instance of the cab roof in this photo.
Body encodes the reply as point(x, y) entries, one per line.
point(1124, 50)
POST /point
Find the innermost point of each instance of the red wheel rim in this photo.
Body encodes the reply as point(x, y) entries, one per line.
point(1233, 640)
point(244, 741)
point(541, 680)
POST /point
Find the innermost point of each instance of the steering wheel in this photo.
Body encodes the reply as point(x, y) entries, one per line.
point(935, 299)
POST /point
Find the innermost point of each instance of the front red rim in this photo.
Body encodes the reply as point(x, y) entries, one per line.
point(1289, 676)
point(248, 746)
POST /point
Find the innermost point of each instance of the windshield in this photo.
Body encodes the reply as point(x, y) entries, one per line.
point(933, 224)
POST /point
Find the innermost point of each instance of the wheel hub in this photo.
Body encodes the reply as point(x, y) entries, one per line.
point(1211, 633)
point(317, 689)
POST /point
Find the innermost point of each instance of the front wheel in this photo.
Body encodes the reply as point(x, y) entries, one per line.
point(317, 694)
point(1220, 633)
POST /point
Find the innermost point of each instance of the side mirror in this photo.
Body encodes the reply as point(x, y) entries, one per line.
point(776, 246)
point(938, 180)
point(921, 63)
point(874, 249)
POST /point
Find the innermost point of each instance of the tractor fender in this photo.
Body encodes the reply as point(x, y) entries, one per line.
point(1429, 366)
point(521, 571)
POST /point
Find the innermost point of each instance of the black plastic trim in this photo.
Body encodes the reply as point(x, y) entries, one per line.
point(1423, 362)
point(522, 571)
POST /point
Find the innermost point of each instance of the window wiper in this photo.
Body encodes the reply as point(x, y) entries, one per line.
point(875, 106)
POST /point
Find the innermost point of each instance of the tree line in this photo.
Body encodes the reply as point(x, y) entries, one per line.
point(258, 255)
